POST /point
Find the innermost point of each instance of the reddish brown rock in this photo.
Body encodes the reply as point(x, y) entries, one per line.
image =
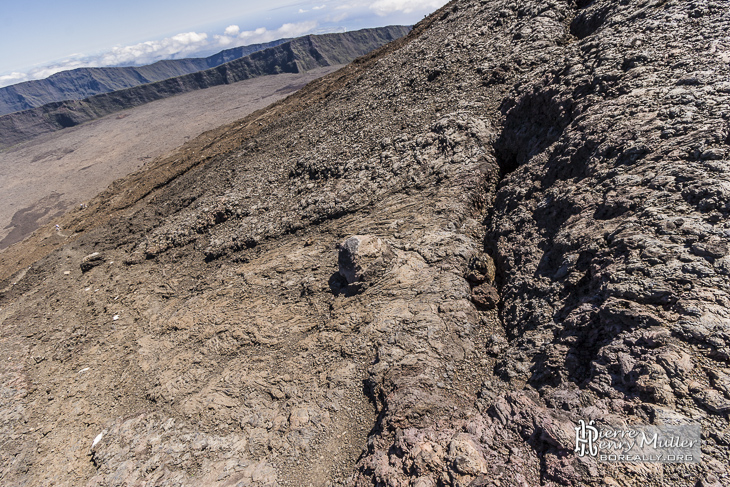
point(485, 296)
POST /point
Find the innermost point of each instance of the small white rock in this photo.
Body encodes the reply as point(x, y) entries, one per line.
point(115, 318)
point(97, 439)
point(83, 370)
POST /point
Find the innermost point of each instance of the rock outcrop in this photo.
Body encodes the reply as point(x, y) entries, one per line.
point(363, 258)
point(569, 157)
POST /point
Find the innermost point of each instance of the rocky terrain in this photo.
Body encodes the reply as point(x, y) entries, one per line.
point(43, 178)
point(420, 270)
point(296, 56)
point(80, 83)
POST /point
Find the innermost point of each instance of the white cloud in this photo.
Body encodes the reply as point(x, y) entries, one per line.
point(224, 41)
point(316, 7)
point(232, 30)
point(175, 47)
point(12, 78)
point(287, 30)
point(42, 71)
point(385, 7)
point(46, 71)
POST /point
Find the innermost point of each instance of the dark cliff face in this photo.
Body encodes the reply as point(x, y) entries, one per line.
point(301, 54)
point(80, 83)
point(543, 190)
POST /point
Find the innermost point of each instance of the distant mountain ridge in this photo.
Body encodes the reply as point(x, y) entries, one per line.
point(80, 83)
point(294, 56)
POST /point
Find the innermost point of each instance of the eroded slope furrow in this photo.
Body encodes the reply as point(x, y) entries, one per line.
point(542, 190)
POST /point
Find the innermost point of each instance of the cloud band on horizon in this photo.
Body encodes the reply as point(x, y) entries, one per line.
point(199, 44)
point(179, 46)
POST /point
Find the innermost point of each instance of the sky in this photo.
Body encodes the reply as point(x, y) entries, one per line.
point(41, 37)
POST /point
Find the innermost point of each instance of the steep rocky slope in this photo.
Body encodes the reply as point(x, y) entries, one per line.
point(80, 83)
point(295, 56)
point(537, 196)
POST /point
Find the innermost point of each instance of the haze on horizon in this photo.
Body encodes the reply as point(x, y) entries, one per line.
point(42, 37)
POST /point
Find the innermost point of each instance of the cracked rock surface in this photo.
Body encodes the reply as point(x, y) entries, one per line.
point(541, 191)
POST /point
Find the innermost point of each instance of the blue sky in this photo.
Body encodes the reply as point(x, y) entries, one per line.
point(41, 37)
